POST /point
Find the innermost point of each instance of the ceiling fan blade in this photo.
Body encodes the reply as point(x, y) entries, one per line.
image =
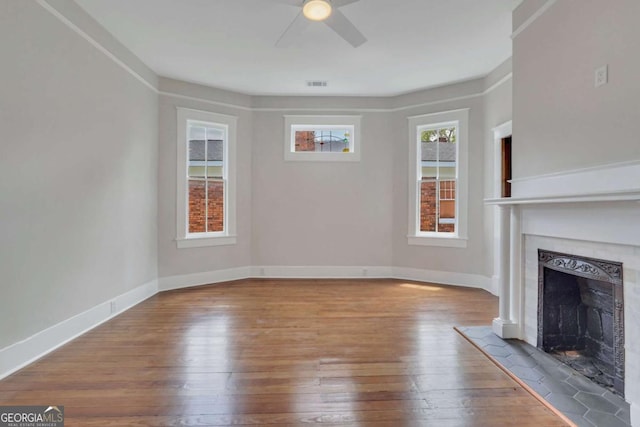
point(344, 28)
point(340, 3)
point(293, 31)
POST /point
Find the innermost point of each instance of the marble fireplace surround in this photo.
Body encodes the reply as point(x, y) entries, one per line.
point(555, 213)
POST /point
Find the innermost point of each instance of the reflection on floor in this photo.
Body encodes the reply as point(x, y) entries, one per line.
point(579, 399)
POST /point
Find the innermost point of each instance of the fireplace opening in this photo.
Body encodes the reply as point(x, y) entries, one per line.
point(580, 316)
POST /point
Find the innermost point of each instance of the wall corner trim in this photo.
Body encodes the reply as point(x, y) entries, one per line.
point(27, 351)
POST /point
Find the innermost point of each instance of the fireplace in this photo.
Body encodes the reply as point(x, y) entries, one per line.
point(581, 315)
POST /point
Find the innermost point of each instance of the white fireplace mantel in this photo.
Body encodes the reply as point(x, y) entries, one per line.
point(509, 323)
point(593, 212)
point(608, 196)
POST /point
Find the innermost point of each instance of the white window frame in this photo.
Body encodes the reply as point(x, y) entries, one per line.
point(458, 238)
point(292, 123)
point(184, 239)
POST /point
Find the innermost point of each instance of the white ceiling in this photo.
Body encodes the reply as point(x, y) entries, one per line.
point(230, 44)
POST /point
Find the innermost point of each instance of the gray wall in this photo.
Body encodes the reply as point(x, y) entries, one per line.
point(298, 214)
point(561, 122)
point(78, 173)
point(322, 213)
point(173, 261)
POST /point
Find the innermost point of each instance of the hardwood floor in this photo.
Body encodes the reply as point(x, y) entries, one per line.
point(284, 352)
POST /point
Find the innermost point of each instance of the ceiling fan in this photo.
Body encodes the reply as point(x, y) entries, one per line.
point(325, 11)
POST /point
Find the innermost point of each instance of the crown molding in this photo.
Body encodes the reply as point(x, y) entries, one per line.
point(532, 18)
point(95, 43)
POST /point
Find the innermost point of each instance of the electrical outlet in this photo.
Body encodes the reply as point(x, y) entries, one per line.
point(365, 272)
point(601, 76)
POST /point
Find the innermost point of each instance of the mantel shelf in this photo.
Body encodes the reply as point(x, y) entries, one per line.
point(614, 196)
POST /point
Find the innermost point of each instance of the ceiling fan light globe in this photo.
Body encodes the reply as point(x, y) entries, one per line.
point(317, 10)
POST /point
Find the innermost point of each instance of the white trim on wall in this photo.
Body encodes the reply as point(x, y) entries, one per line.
point(96, 44)
point(206, 101)
point(499, 133)
point(532, 18)
point(22, 353)
point(598, 179)
point(497, 84)
point(203, 278)
point(328, 272)
point(445, 278)
point(324, 272)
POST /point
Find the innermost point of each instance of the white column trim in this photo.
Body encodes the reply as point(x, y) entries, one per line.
point(515, 269)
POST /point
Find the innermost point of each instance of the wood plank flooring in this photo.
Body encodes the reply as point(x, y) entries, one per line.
point(284, 353)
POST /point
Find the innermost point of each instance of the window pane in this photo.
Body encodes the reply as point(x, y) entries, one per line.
point(197, 206)
point(428, 205)
point(305, 140)
point(196, 132)
point(215, 219)
point(215, 152)
point(447, 191)
point(196, 151)
point(323, 140)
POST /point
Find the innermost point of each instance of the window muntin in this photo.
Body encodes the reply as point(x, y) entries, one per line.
point(322, 138)
point(205, 179)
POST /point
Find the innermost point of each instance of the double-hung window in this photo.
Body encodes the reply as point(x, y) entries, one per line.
point(206, 179)
point(438, 179)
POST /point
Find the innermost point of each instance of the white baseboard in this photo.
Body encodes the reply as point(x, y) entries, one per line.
point(328, 272)
point(20, 354)
point(444, 277)
point(505, 330)
point(323, 272)
point(203, 278)
point(635, 414)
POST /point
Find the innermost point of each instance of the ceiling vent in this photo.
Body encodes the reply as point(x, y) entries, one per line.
point(317, 83)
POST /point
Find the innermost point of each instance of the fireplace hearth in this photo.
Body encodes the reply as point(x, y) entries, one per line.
point(580, 315)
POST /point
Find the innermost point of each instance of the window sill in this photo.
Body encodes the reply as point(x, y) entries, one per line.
point(200, 242)
point(443, 241)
